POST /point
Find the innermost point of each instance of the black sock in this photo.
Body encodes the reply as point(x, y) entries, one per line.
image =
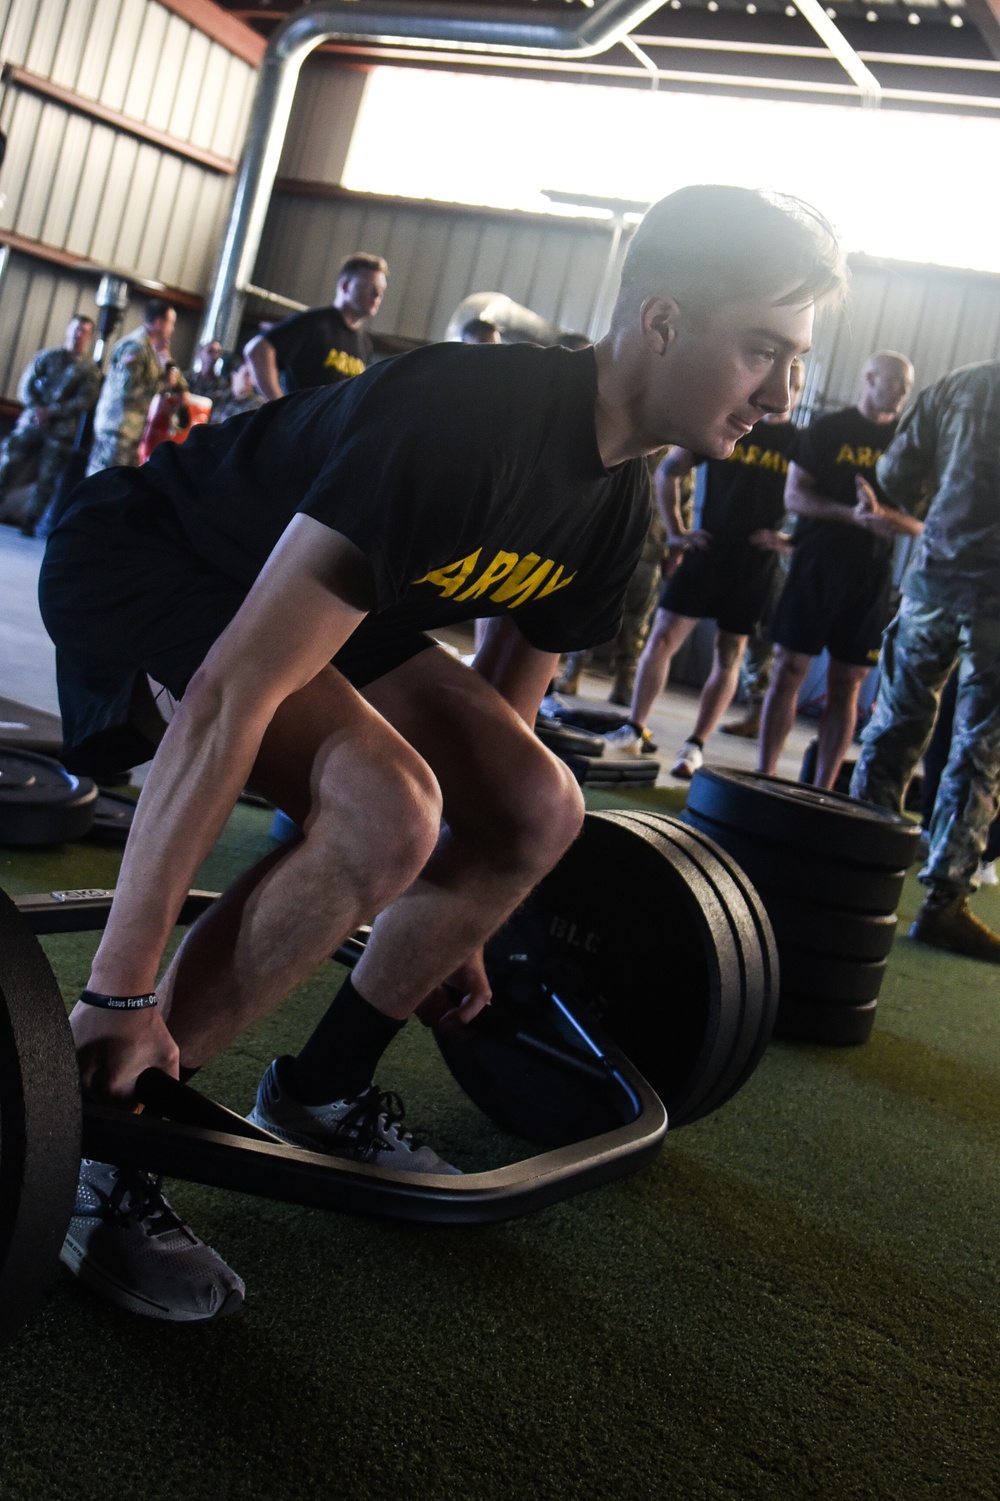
point(693, 740)
point(340, 1058)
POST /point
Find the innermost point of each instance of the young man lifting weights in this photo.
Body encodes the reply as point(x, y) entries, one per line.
point(277, 574)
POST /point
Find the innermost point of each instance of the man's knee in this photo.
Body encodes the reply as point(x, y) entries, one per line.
point(843, 682)
point(529, 820)
point(382, 829)
point(728, 649)
point(790, 668)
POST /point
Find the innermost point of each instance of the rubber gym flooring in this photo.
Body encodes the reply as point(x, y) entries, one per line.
point(798, 1298)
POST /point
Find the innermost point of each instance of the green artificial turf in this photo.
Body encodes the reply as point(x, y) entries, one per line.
point(797, 1299)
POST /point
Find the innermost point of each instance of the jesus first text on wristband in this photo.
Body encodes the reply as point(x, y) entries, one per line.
point(118, 1002)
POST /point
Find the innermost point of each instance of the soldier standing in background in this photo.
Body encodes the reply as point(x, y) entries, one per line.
point(56, 389)
point(948, 451)
point(136, 373)
point(839, 584)
point(322, 345)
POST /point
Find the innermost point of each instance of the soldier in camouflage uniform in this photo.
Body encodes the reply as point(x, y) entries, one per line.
point(640, 600)
point(136, 373)
point(947, 452)
point(56, 389)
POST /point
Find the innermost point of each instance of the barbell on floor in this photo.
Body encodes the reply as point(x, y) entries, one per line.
point(635, 989)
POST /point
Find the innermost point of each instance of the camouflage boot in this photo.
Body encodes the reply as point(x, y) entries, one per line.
point(621, 688)
point(945, 922)
point(747, 728)
point(568, 677)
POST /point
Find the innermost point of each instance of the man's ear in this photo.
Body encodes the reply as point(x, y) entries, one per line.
point(659, 318)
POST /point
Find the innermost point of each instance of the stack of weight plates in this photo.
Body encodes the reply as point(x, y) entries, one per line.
point(646, 934)
point(41, 802)
point(829, 871)
point(586, 756)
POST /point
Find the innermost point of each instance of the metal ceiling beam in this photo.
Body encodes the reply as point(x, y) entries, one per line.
point(457, 28)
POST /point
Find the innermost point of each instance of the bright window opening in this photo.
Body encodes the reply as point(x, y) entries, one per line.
point(897, 184)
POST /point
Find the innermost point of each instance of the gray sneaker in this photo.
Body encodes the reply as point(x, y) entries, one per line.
point(127, 1244)
point(368, 1128)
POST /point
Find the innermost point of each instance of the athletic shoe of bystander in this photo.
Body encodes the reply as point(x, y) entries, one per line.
point(689, 760)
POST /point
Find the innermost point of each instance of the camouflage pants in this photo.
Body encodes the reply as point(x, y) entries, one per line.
point(755, 669)
point(113, 448)
point(50, 452)
point(626, 649)
point(919, 650)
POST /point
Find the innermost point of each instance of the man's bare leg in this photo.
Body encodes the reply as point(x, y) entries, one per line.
point(778, 714)
point(721, 684)
point(839, 719)
point(668, 634)
point(511, 811)
point(370, 808)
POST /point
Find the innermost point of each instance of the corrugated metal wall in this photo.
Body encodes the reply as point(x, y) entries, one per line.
point(38, 300)
point(436, 255)
point(939, 318)
point(439, 254)
point(83, 186)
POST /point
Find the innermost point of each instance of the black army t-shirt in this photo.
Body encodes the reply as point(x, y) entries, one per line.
point(316, 348)
point(746, 492)
point(470, 478)
point(833, 450)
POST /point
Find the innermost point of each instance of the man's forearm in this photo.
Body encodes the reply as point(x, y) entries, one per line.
point(804, 499)
point(263, 362)
point(201, 767)
point(519, 672)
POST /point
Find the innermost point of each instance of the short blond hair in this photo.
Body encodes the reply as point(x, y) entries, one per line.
point(709, 244)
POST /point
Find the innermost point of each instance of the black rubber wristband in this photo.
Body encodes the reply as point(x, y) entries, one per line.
point(118, 1002)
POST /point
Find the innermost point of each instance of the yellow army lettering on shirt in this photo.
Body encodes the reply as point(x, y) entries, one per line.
point(860, 458)
point(347, 364)
point(760, 458)
point(510, 578)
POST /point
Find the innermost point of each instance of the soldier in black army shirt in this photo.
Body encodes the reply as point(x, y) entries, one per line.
point(728, 571)
point(280, 573)
point(323, 345)
point(836, 595)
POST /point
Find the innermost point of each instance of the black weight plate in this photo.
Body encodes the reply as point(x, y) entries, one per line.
point(39, 1121)
point(850, 982)
point(569, 742)
point(113, 817)
point(823, 823)
point(753, 1044)
point(585, 716)
point(798, 873)
point(631, 938)
point(754, 1010)
point(829, 930)
point(41, 802)
point(612, 771)
point(803, 1020)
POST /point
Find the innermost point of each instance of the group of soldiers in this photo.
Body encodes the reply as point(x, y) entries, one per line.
point(726, 568)
point(63, 385)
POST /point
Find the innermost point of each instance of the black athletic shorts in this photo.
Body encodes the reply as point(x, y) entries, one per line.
point(735, 587)
point(825, 603)
point(123, 594)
